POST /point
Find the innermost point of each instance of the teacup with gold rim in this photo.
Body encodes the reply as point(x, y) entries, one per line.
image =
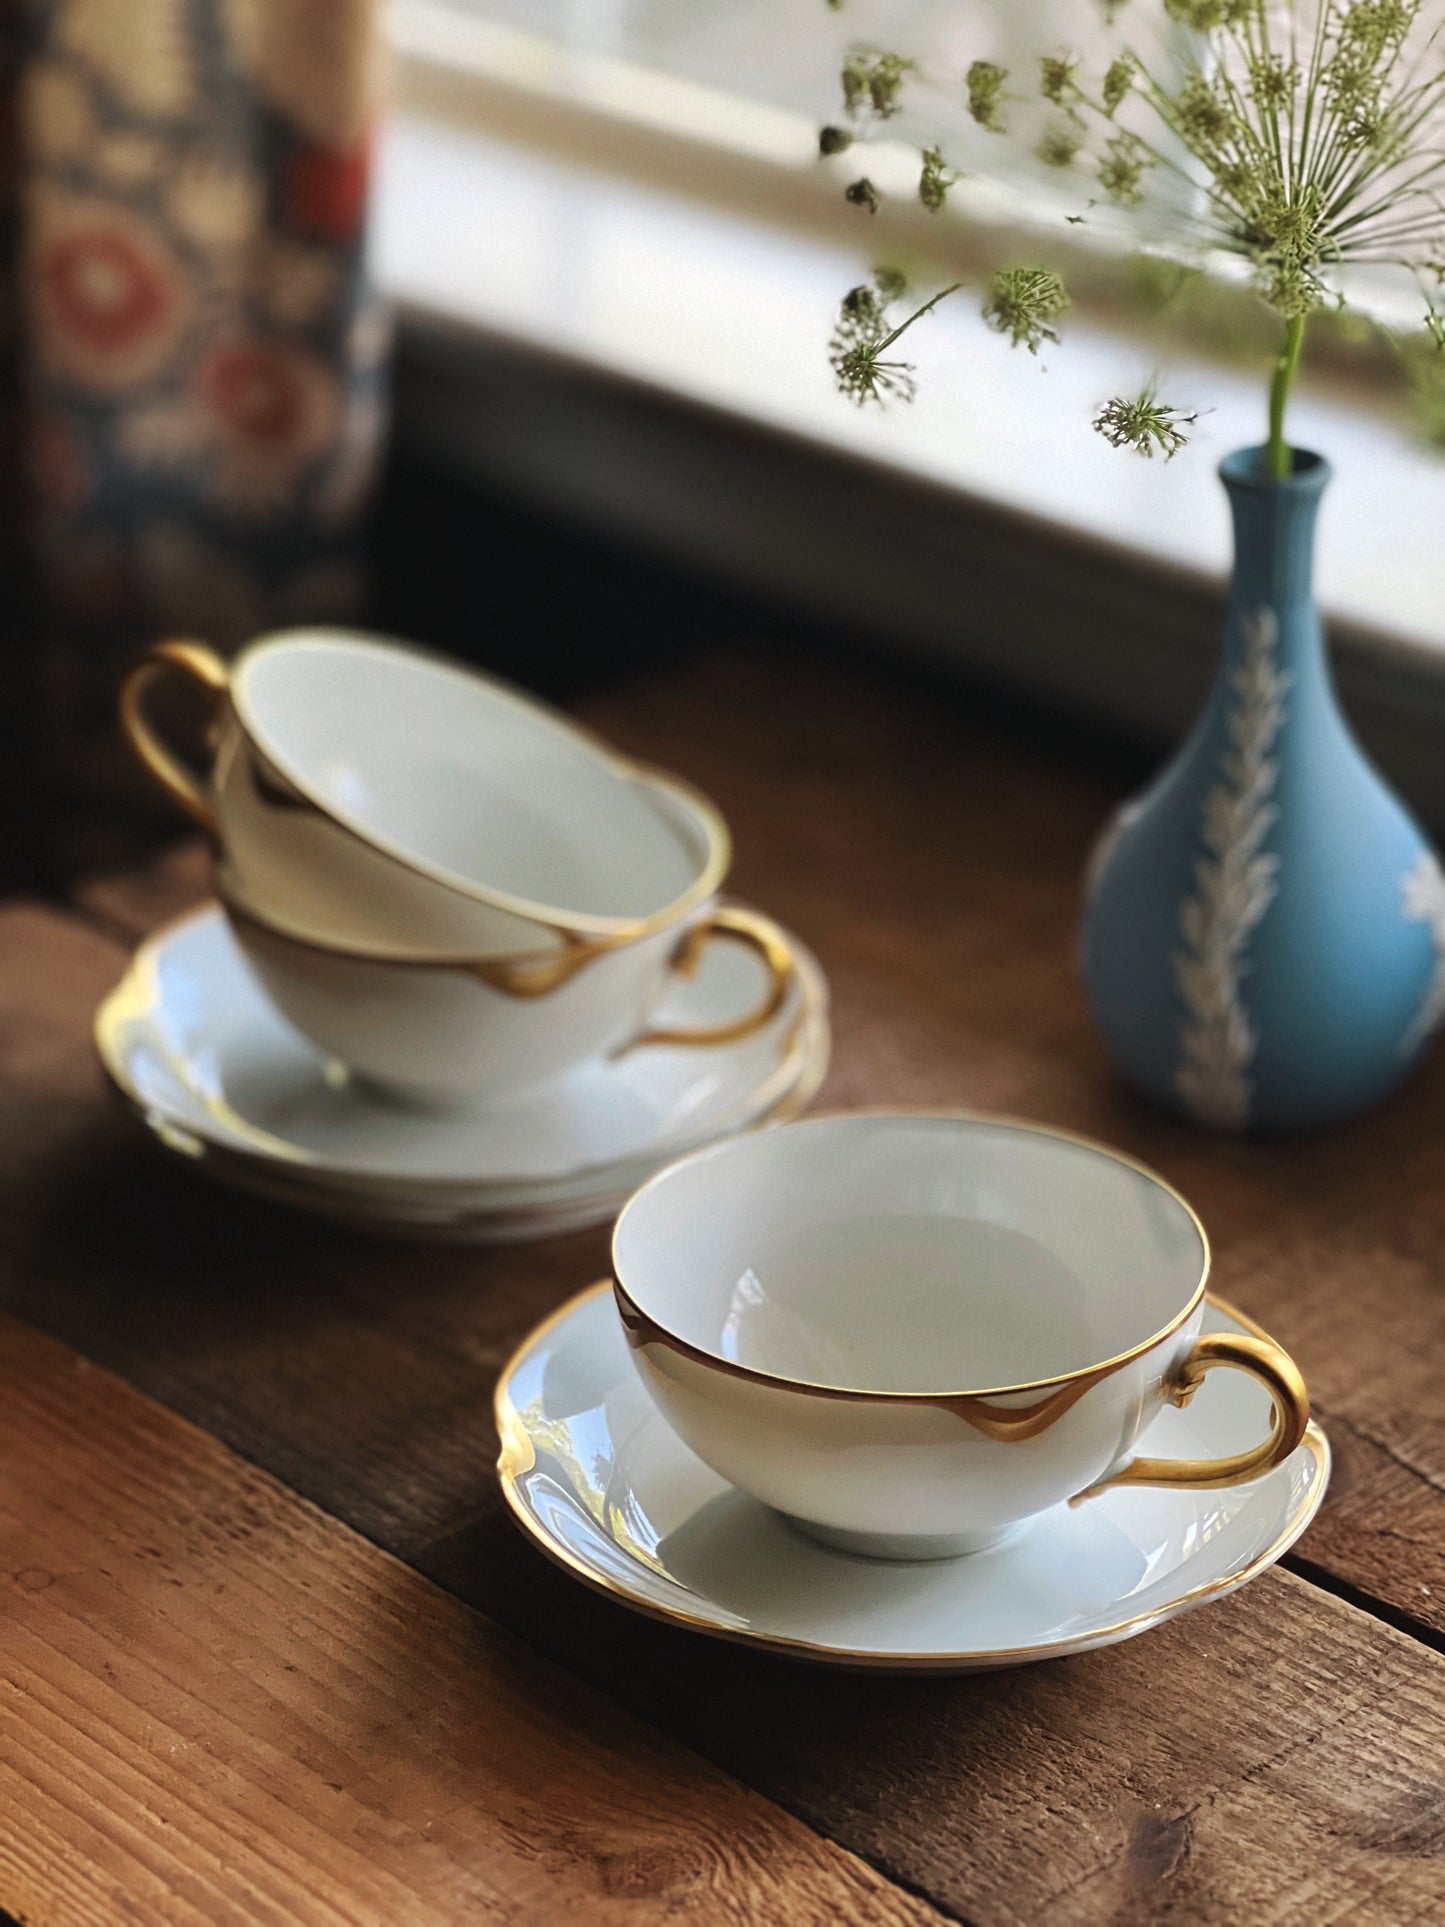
point(912, 1333)
point(454, 1030)
point(440, 882)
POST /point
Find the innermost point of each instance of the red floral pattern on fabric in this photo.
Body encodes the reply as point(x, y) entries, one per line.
point(254, 394)
point(193, 295)
point(109, 300)
point(102, 288)
point(326, 189)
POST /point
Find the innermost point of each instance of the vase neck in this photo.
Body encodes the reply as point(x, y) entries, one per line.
point(1274, 530)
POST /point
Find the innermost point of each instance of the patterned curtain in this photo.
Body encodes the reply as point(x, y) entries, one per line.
point(200, 360)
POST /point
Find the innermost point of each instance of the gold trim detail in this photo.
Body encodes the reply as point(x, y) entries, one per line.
point(527, 978)
point(283, 788)
point(1263, 1359)
point(728, 924)
point(1003, 1423)
point(517, 1458)
point(184, 785)
point(539, 974)
point(606, 930)
point(532, 973)
point(643, 1329)
point(782, 1095)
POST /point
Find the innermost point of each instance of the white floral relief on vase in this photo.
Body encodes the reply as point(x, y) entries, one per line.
point(1423, 892)
point(1235, 881)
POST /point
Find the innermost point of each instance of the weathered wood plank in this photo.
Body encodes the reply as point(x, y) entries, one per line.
point(218, 1705)
point(1271, 1759)
point(1275, 1758)
point(301, 1346)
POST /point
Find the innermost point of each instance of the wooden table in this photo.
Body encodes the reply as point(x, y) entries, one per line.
point(270, 1650)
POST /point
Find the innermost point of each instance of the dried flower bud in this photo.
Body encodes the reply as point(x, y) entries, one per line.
point(1205, 15)
point(1022, 302)
point(864, 334)
point(833, 140)
point(873, 83)
point(862, 193)
point(1122, 170)
point(1145, 424)
point(1060, 145)
point(1292, 292)
point(1118, 79)
point(1204, 119)
point(861, 306)
point(1273, 82)
point(1056, 78)
point(1287, 237)
point(1374, 30)
point(985, 94)
point(935, 180)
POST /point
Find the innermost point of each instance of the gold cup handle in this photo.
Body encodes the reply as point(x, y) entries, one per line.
point(187, 785)
point(759, 934)
point(1275, 1370)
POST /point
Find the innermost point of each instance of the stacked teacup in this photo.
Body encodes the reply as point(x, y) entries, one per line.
point(476, 914)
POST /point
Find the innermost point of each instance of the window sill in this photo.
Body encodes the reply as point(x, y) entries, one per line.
point(655, 364)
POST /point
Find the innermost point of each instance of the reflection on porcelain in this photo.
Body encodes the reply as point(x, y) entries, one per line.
point(910, 1333)
point(371, 796)
point(202, 1057)
point(603, 1485)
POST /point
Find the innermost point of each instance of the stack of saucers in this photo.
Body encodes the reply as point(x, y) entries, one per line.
point(468, 974)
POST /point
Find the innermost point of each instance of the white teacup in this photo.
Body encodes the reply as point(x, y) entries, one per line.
point(911, 1333)
point(447, 1030)
point(439, 881)
point(367, 795)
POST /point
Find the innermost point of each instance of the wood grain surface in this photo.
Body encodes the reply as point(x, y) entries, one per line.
point(218, 1705)
point(1272, 1758)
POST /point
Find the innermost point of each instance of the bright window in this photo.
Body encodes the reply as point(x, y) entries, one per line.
point(628, 193)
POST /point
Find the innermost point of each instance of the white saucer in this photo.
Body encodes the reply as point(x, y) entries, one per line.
point(200, 1055)
point(596, 1477)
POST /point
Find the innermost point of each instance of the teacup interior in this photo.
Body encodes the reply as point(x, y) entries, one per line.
point(461, 777)
point(910, 1254)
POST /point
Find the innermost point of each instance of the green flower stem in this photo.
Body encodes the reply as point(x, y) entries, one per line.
point(1277, 456)
point(917, 315)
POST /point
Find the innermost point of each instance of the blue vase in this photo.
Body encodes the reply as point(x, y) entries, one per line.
point(1264, 937)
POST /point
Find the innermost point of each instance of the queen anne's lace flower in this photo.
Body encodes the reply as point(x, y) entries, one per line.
point(1023, 303)
point(1307, 139)
point(863, 334)
point(1144, 423)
